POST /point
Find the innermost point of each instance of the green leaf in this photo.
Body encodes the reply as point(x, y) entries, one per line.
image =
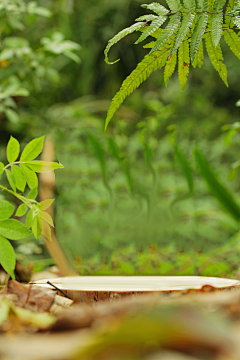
point(218, 190)
point(170, 67)
point(32, 149)
point(217, 22)
point(44, 205)
point(30, 176)
point(7, 256)
point(37, 227)
point(216, 57)
point(144, 69)
point(157, 8)
point(45, 216)
point(147, 18)
point(233, 41)
point(118, 37)
point(33, 194)
point(168, 31)
point(182, 32)
point(152, 28)
point(183, 64)
point(175, 5)
point(19, 178)
point(6, 210)
point(13, 149)
point(198, 59)
point(46, 230)
point(1, 168)
point(197, 34)
point(30, 219)
point(13, 229)
point(236, 21)
point(22, 209)
point(11, 180)
point(43, 166)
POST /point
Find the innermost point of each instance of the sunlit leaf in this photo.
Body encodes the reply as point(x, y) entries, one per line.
point(13, 229)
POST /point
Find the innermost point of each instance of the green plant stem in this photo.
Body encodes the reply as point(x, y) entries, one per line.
point(13, 163)
point(20, 197)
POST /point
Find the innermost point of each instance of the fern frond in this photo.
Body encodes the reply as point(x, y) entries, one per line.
point(170, 67)
point(157, 8)
point(217, 22)
point(202, 5)
point(153, 27)
point(118, 37)
point(230, 7)
point(182, 32)
point(183, 63)
point(216, 58)
point(150, 17)
point(198, 59)
point(175, 5)
point(144, 69)
point(197, 34)
point(189, 4)
point(168, 31)
point(236, 21)
point(218, 5)
point(233, 41)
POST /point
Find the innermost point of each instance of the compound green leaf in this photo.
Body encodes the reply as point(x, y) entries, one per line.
point(175, 5)
point(217, 22)
point(233, 41)
point(7, 256)
point(30, 176)
point(168, 31)
point(170, 67)
point(147, 18)
point(6, 210)
point(183, 64)
point(216, 57)
point(13, 149)
point(118, 37)
point(153, 27)
point(13, 229)
point(22, 209)
point(32, 149)
point(43, 166)
point(187, 21)
point(198, 59)
point(157, 8)
point(11, 179)
point(197, 34)
point(19, 178)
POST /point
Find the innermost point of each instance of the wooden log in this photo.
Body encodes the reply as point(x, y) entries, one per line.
point(89, 289)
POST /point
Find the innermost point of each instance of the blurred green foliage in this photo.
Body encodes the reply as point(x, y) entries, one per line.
point(113, 208)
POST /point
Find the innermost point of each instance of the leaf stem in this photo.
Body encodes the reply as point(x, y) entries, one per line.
point(13, 163)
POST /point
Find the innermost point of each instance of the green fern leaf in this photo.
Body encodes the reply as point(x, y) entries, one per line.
point(211, 4)
point(198, 59)
point(118, 37)
point(168, 31)
point(147, 18)
point(217, 22)
point(170, 67)
point(236, 21)
point(175, 5)
point(233, 41)
point(182, 32)
point(218, 5)
point(189, 4)
point(144, 69)
point(149, 45)
point(153, 27)
point(216, 57)
point(231, 9)
point(157, 8)
point(183, 63)
point(197, 34)
point(202, 5)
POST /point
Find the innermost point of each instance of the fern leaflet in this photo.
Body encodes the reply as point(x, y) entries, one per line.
point(168, 31)
point(157, 8)
point(118, 37)
point(236, 21)
point(182, 32)
point(217, 21)
point(144, 69)
point(183, 63)
point(153, 27)
point(202, 5)
point(189, 4)
point(170, 67)
point(233, 41)
point(175, 5)
point(150, 17)
point(198, 60)
point(216, 57)
point(218, 5)
point(197, 34)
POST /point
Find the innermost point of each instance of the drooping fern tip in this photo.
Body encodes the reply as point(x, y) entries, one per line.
point(187, 27)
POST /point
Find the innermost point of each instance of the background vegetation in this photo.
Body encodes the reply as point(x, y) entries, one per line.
point(113, 210)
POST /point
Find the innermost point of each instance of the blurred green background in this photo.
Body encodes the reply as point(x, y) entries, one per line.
point(113, 209)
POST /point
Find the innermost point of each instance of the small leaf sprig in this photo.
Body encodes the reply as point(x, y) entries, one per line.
point(21, 173)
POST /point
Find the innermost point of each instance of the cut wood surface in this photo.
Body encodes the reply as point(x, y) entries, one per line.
point(94, 288)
